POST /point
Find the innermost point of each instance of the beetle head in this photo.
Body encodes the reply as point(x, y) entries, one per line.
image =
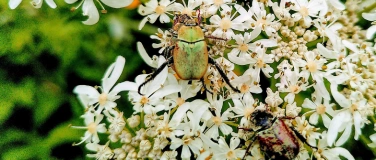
point(262, 118)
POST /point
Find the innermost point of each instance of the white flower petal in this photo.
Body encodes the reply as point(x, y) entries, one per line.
point(91, 11)
point(117, 3)
point(370, 32)
point(166, 90)
point(334, 127)
point(308, 104)
point(145, 55)
point(124, 86)
point(314, 118)
point(51, 3)
point(326, 120)
point(340, 99)
point(14, 3)
point(142, 23)
point(70, 1)
point(343, 152)
point(234, 142)
point(345, 135)
point(86, 90)
point(113, 73)
point(357, 124)
point(369, 16)
point(337, 4)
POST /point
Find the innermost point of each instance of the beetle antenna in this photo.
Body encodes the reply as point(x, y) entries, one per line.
point(212, 61)
point(155, 73)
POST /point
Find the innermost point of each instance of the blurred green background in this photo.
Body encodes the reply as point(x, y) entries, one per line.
point(44, 54)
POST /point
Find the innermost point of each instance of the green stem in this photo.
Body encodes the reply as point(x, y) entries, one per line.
point(366, 141)
point(142, 119)
point(314, 43)
point(368, 9)
point(231, 124)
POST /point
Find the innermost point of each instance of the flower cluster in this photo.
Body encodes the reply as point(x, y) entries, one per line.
point(88, 7)
point(311, 53)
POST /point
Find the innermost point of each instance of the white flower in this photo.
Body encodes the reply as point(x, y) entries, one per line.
point(244, 106)
point(89, 9)
point(307, 131)
point(105, 99)
point(313, 65)
point(305, 10)
point(217, 121)
point(164, 37)
point(188, 10)
point(351, 115)
point(282, 12)
point(36, 3)
point(189, 141)
point(323, 150)
point(241, 54)
point(226, 24)
point(92, 127)
point(371, 30)
point(229, 152)
point(103, 152)
point(154, 9)
point(257, 17)
point(319, 109)
point(153, 92)
point(260, 62)
point(294, 85)
point(214, 5)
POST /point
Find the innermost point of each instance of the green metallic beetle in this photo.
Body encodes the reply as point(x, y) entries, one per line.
point(190, 57)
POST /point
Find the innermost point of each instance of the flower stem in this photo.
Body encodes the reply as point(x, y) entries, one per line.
point(368, 9)
point(366, 141)
point(231, 124)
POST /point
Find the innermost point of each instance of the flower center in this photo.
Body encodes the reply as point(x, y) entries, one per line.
point(160, 9)
point(230, 155)
point(354, 108)
point(180, 101)
point(244, 88)
point(102, 99)
point(217, 121)
point(248, 111)
point(92, 128)
point(312, 66)
point(144, 100)
point(260, 63)
point(304, 11)
point(320, 109)
point(294, 89)
point(218, 2)
point(225, 24)
point(243, 47)
point(187, 140)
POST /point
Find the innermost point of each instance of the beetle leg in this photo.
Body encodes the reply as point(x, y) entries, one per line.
point(155, 73)
point(301, 137)
point(212, 61)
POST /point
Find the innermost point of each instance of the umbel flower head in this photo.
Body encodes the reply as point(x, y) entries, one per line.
point(298, 52)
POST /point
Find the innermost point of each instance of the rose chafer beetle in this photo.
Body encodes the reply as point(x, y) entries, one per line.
point(276, 139)
point(189, 54)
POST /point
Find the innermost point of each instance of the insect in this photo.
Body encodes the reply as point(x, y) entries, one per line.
point(188, 56)
point(277, 140)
